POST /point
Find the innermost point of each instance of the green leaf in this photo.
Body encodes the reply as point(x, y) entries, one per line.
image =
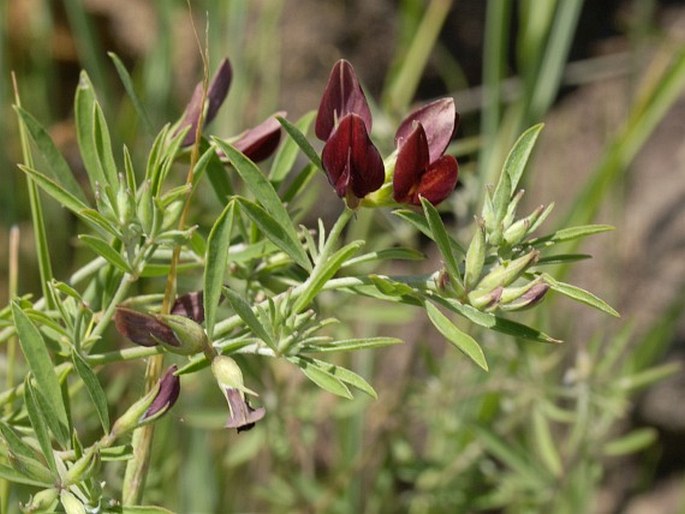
point(324, 273)
point(218, 177)
point(130, 90)
point(39, 424)
point(299, 183)
point(95, 391)
point(53, 189)
point(442, 239)
point(61, 172)
point(347, 376)
point(545, 444)
point(106, 251)
point(563, 258)
point(13, 476)
point(579, 295)
point(15, 443)
point(513, 170)
point(103, 145)
point(144, 509)
point(421, 224)
point(569, 234)
point(38, 359)
point(632, 442)
point(243, 309)
point(84, 105)
point(215, 264)
point(324, 379)
point(461, 340)
point(390, 287)
point(488, 320)
point(283, 236)
point(301, 141)
point(405, 254)
point(347, 345)
point(287, 153)
point(99, 222)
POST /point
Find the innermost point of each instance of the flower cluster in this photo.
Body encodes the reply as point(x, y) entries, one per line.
point(354, 165)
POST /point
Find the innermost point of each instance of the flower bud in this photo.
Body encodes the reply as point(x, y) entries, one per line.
point(190, 305)
point(506, 272)
point(511, 209)
point(189, 337)
point(229, 377)
point(531, 297)
point(152, 406)
point(143, 329)
point(71, 504)
point(519, 229)
point(43, 501)
point(485, 300)
point(83, 468)
point(258, 143)
point(475, 256)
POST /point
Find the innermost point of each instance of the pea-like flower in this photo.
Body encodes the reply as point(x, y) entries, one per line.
point(352, 163)
point(257, 143)
point(241, 415)
point(421, 168)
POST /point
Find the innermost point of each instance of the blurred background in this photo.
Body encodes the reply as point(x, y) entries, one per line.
point(606, 76)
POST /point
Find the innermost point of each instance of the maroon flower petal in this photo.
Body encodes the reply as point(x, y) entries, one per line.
point(343, 95)
point(190, 305)
point(439, 120)
point(216, 94)
point(260, 142)
point(412, 162)
point(169, 390)
point(351, 160)
point(439, 180)
point(143, 329)
point(241, 414)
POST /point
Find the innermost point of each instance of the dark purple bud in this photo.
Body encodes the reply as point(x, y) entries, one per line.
point(241, 414)
point(260, 142)
point(415, 175)
point(169, 389)
point(143, 329)
point(342, 96)
point(190, 305)
point(439, 120)
point(351, 161)
point(216, 94)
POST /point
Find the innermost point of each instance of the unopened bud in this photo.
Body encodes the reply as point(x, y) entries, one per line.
point(190, 305)
point(485, 300)
point(531, 297)
point(190, 338)
point(83, 468)
point(475, 256)
point(43, 501)
point(71, 504)
point(152, 406)
point(505, 273)
point(518, 230)
point(511, 209)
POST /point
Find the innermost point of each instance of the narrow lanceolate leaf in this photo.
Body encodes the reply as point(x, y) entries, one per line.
point(571, 233)
point(84, 105)
point(419, 222)
point(579, 295)
point(103, 145)
point(130, 90)
point(442, 239)
point(321, 378)
point(286, 155)
point(632, 442)
point(281, 234)
point(513, 169)
point(324, 272)
point(99, 222)
point(347, 376)
point(95, 391)
point(215, 264)
point(15, 443)
point(106, 251)
point(144, 509)
point(488, 320)
point(14, 476)
point(39, 362)
point(243, 309)
point(461, 340)
point(301, 141)
point(57, 164)
point(404, 254)
point(39, 424)
point(545, 444)
point(52, 188)
point(347, 345)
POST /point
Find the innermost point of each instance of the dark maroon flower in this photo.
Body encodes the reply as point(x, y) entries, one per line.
point(216, 94)
point(258, 143)
point(190, 305)
point(143, 329)
point(421, 168)
point(241, 414)
point(169, 389)
point(352, 162)
point(342, 96)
